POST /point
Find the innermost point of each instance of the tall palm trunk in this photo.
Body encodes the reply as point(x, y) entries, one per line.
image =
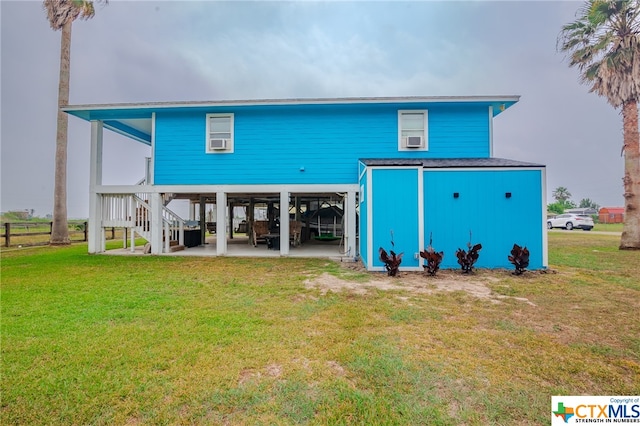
point(60, 229)
point(631, 229)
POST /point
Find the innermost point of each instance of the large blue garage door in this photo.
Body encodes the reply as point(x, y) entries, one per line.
point(498, 207)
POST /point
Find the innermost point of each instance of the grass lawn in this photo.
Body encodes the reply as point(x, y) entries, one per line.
point(182, 340)
point(608, 227)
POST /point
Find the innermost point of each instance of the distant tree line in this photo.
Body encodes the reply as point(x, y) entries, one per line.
point(563, 202)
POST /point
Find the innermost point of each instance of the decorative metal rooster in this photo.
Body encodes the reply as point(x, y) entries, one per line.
point(432, 257)
point(467, 259)
point(519, 258)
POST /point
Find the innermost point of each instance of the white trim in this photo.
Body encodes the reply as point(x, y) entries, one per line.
point(491, 131)
point(369, 201)
point(402, 145)
point(420, 215)
point(402, 268)
point(350, 246)
point(364, 170)
point(230, 142)
point(314, 101)
point(545, 236)
point(231, 189)
point(153, 149)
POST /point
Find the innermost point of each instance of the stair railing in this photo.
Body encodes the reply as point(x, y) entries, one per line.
point(133, 212)
point(174, 226)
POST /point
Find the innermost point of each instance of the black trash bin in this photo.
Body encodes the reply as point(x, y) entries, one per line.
point(273, 242)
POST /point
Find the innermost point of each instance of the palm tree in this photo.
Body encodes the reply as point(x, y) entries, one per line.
point(61, 14)
point(604, 44)
point(587, 203)
point(561, 194)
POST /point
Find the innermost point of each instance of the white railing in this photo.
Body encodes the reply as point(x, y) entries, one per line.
point(142, 225)
point(166, 197)
point(173, 227)
point(118, 211)
point(131, 211)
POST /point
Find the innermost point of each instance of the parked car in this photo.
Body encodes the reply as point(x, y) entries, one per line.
point(569, 221)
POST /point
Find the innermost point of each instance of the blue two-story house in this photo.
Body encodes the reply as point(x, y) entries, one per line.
point(407, 169)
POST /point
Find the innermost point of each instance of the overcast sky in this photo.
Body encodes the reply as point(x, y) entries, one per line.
point(197, 51)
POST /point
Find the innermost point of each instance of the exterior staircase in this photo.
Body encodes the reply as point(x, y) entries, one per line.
point(133, 212)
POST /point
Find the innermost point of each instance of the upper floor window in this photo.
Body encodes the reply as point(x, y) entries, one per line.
point(412, 130)
point(219, 133)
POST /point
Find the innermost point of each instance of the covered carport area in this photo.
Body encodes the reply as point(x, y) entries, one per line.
point(266, 226)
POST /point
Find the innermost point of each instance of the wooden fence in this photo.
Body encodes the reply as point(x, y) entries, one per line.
point(28, 234)
point(39, 233)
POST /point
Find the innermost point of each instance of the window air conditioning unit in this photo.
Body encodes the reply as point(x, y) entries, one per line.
point(414, 141)
point(218, 144)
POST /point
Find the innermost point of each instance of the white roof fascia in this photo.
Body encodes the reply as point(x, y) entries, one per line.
point(309, 101)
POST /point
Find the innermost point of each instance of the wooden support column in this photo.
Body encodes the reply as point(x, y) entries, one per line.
point(284, 223)
point(96, 241)
point(221, 220)
point(306, 229)
point(297, 205)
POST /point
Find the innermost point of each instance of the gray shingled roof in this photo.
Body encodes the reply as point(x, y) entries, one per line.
point(439, 163)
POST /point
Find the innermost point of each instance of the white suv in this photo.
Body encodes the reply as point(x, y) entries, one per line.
point(569, 221)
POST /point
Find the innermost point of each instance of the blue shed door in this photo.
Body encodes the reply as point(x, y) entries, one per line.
point(498, 207)
point(395, 214)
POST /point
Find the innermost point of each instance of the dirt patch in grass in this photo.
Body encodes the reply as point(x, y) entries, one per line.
point(415, 282)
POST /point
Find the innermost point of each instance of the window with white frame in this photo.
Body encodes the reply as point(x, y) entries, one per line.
point(412, 130)
point(219, 133)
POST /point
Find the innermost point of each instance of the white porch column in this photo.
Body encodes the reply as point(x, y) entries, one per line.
point(192, 209)
point(350, 241)
point(202, 206)
point(96, 242)
point(284, 223)
point(221, 223)
point(155, 202)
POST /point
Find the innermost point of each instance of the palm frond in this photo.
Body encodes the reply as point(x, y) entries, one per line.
point(604, 44)
point(60, 12)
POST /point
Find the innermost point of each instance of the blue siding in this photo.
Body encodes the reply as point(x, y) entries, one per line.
point(395, 206)
point(459, 132)
point(496, 222)
point(273, 143)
